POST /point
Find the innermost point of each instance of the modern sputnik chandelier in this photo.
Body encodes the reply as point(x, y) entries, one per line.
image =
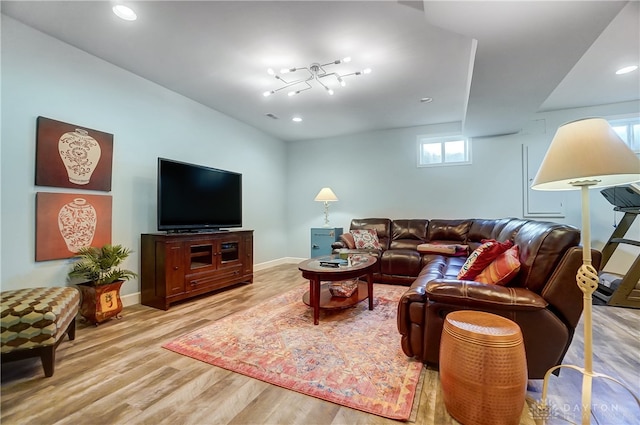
point(317, 73)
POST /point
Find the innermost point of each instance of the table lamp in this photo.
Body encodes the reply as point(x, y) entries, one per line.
point(326, 195)
point(586, 154)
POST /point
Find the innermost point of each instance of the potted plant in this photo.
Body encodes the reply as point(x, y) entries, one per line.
point(101, 279)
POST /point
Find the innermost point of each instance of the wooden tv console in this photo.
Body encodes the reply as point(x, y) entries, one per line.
point(178, 266)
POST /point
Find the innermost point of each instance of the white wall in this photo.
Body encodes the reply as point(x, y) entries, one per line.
point(375, 175)
point(45, 77)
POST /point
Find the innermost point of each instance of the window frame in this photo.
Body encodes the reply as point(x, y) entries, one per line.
point(442, 140)
point(628, 121)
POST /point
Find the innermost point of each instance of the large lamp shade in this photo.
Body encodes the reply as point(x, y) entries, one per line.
point(586, 150)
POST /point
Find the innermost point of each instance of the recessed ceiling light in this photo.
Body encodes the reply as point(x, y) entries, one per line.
point(426, 100)
point(296, 119)
point(124, 12)
point(627, 69)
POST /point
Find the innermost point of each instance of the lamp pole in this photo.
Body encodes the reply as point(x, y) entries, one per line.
point(587, 280)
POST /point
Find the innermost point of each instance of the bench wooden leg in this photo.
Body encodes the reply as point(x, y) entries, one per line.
point(48, 357)
point(71, 330)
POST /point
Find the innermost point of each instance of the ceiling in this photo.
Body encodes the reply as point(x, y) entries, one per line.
point(487, 65)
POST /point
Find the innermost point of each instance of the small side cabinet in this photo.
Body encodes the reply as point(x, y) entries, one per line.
point(322, 238)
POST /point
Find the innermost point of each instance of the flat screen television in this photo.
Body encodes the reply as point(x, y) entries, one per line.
point(197, 198)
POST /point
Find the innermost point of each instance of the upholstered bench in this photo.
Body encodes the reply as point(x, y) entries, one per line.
point(34, 322)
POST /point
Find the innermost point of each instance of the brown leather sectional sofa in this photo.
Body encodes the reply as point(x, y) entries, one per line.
point(543, 298)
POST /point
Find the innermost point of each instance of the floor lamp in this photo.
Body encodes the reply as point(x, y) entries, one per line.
point(586, 154)
point(326, 195)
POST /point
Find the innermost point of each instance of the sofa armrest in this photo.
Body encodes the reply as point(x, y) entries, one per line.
point(483, 296)
point(562, 291)
point(338, 245)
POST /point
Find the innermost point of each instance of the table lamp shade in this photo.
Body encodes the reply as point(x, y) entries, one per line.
point(326, 195)
point(586, 150)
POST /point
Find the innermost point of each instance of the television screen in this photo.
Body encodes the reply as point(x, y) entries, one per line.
point(195, 197)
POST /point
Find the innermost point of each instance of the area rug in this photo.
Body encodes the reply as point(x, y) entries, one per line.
point(352, 358)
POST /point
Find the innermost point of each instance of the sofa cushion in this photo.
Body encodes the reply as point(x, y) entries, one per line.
point(542, 245)
point(382, 227)
point(408, 233)
point(401, 262)
point(448, 230)
point(366, 239)
point(485, 229)
point(481, 257)
point(502, 269)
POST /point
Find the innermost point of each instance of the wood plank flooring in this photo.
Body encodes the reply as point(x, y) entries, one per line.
point(117, 373)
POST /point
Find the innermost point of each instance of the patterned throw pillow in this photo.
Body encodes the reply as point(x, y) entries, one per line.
point(366, 239)
point(454, 250)
point(502, 269)
point(482, 257)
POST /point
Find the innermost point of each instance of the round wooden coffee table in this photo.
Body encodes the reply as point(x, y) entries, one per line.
point(319, 296)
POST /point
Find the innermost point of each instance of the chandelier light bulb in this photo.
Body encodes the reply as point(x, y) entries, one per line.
point(268, 93)
point(329, 91)
point(296, 119)
point(347, 59)
point(366, 71)
point(293, 93)
point(271, 71)
point(342, 82)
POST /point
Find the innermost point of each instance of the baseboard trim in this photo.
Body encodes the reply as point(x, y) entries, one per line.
point(133, 299)
point(130, 299)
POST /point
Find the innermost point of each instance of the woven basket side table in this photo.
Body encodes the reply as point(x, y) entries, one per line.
point(483, 368)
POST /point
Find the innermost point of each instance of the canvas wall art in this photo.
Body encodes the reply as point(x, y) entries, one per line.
point(66, 222)
point(68, 155)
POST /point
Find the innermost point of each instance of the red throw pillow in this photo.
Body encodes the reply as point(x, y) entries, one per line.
point(481, 257)
point(502, 269)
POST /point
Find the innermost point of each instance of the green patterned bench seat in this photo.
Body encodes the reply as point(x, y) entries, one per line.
point(34, 321)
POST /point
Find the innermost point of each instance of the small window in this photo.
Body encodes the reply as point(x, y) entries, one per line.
point(443, 151)
point(629, 131)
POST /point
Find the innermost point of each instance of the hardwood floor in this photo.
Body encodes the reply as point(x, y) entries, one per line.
point(118, 373)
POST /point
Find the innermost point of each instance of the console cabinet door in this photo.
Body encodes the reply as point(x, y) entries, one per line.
point(174, 268)
point(228, 252)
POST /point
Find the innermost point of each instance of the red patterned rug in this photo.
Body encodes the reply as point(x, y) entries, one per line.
point(352, 358)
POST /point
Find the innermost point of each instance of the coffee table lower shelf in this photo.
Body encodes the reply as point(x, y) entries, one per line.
point(328, 301)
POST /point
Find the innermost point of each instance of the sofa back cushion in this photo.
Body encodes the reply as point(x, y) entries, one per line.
point(542, 245)
point(510, 229)
point(408, 234)
point(382, 226)
point(483, 229)
point(448, 230)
